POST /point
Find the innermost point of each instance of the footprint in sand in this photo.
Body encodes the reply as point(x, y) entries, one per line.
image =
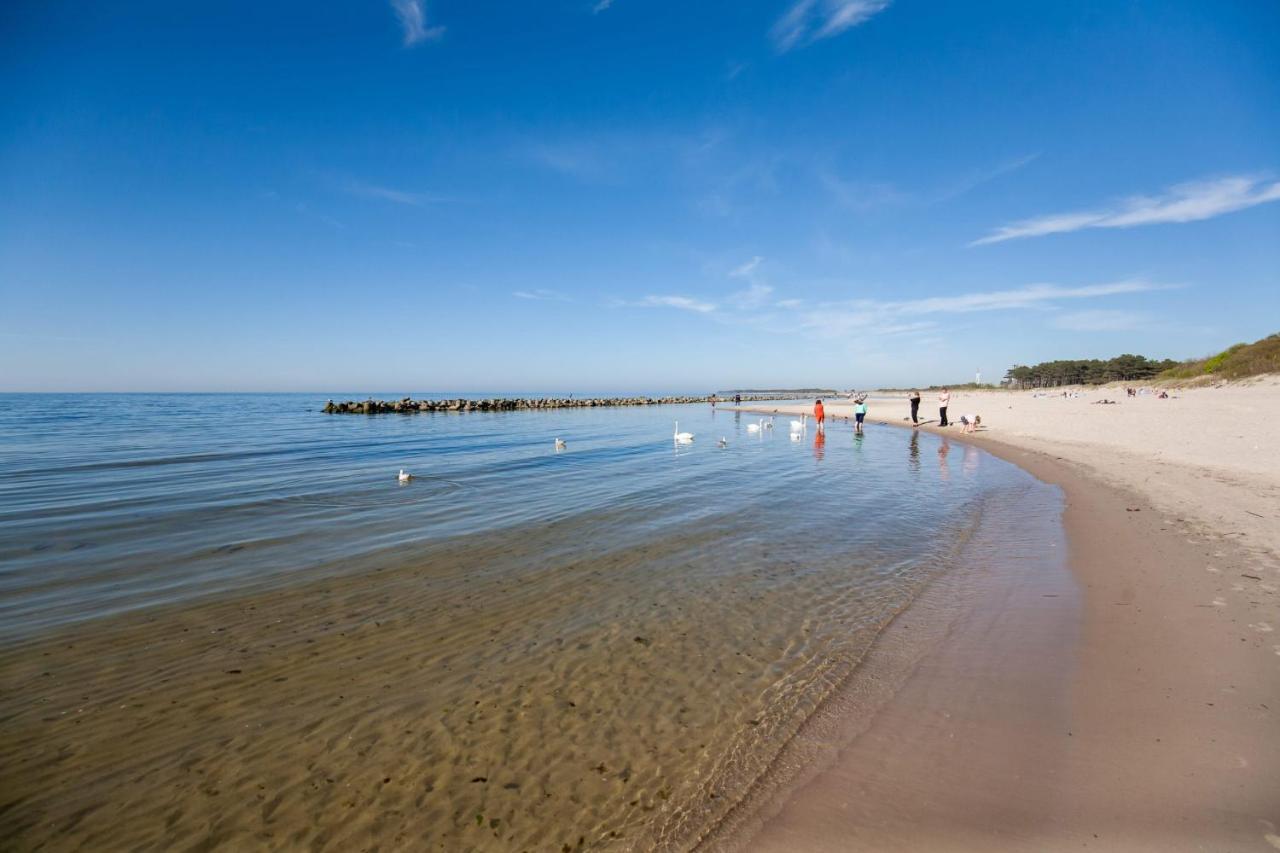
point(1264, 627)
point(1219, 602)
point(1273, 840)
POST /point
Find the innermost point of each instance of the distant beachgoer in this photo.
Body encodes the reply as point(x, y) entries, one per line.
point(944, 400)
point(914, 397)
point(737, 399)
point(970, 422)
point(859, 413)
point(820, 416)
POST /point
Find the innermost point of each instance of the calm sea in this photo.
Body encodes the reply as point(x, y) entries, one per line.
point(720, 591)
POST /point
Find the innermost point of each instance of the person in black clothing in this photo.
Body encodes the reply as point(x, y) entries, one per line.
point(915, 407)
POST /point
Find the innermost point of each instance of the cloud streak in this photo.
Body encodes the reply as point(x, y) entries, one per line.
point(413, 199)
point(542, 294)
point(808, 21)
point(413, 20)
point(684, 303)
point(1189, 202)
point(1101, 321)
point(897, 317)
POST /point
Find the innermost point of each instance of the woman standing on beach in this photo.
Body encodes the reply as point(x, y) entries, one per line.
point(944, 400)
point(914, 397)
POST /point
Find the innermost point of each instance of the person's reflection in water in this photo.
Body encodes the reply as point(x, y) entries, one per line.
point(970, 460)
point(914, 452)
point(819, 445)
point(943, 471)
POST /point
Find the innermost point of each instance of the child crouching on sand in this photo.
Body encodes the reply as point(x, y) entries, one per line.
point(970, 422)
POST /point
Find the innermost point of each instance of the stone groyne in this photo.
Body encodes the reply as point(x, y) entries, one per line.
point(507, 404)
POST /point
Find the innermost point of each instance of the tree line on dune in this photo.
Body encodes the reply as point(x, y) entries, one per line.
point(1236, 362)
point(1091, 371)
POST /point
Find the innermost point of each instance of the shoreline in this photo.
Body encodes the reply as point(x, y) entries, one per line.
point(1170, 740)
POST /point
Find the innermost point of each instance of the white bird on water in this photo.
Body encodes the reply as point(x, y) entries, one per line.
point(799, 426)
point(755, 427)
point(560, 445)
point(682, 437)
point(405, 476)
point(723, 442)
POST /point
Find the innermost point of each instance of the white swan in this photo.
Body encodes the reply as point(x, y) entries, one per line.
point(560, 445)
point(682, 437)
point(755, 427)
point(799, 426)
point(405, 476)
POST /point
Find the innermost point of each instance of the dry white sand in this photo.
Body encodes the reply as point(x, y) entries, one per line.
point(1206, 454)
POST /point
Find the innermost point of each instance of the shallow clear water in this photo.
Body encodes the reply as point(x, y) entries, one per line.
point(117, 501)
point(616, 638)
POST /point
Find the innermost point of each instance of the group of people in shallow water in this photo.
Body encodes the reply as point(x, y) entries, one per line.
point(969, 423)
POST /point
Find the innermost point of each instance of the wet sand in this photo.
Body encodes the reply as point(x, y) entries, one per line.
point(567, 686)
point(1143, 717)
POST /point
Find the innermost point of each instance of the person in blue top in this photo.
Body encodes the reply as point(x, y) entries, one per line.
point(859, 412)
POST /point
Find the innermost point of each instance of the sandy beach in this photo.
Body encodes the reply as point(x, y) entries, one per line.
point(1133, 708)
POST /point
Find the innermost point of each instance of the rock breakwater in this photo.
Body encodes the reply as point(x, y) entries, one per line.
point(505, 404)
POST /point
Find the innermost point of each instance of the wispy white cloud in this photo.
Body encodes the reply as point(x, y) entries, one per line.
point(878, 317)
point(601, 6)
point(755, 296)
point(1031, 296)
point(543, 294)
point(1101, 321)
point(861, 196)
point(1189, 202)
point(413, 20)
point(808, 21)
point(684, 303)
point(746, 269)
point(414, 199)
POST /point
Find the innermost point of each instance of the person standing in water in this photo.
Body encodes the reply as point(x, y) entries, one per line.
point(859, 413)
point(944, 400)
point(820, 416)
point(914, 397)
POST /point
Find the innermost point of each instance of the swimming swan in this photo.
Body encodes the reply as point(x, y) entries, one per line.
point(404, 476)
point(799, 426)
point(755, 427)
point(682, 437)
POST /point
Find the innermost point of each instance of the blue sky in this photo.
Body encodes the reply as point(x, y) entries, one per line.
point(388, 195)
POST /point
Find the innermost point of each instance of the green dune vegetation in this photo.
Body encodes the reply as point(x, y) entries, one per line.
point(1235, 362)
point(1092, 371)
point(1239, 361)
